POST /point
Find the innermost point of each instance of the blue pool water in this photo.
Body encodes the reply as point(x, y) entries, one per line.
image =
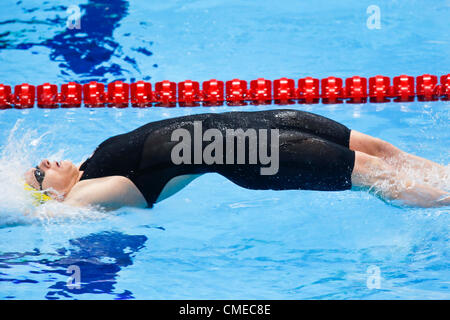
point(214, 240)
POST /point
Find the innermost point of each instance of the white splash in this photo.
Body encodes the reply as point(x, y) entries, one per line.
point(437, 176)
point(23, 150)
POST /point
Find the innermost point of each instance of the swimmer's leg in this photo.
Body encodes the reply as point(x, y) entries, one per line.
point(398, 158)
point(382, 179)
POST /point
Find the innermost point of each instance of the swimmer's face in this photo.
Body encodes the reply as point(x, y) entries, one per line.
point(58, 175)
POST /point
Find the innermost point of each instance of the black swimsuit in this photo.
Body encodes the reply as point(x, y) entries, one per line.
point(314, 153)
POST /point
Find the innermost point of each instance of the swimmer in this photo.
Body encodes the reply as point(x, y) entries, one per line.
point(137, 169)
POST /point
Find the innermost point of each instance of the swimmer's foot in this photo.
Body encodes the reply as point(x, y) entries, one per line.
point(420, 195)
point(388, 182)
point(437, 176)
point(440, 180)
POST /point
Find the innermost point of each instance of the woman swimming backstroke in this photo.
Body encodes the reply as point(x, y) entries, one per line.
point(275, 149)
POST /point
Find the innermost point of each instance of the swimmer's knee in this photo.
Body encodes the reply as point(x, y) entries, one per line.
point(371, 145)
point(385, 149)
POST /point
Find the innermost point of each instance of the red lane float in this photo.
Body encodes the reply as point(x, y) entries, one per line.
point(70, 96)
point(165, 94)
point(24, 96)
point(284, 91)
point(212, 94)
point(379, 89)
point(403, 88)
point(94, 94)
point(188, 93)
point(118, 94)
point(445, 87)
point(260, 91)
point(427, 88)
point(308, 90)
point(332, 91)
point(356, 89)
point(47, 96)
point(141, 94)
point(5, 97)
point(236, 92)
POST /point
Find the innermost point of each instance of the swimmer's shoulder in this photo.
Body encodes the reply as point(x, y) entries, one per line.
point(110, 193)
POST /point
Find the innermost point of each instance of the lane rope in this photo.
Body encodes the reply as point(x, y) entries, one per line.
point(234, 92)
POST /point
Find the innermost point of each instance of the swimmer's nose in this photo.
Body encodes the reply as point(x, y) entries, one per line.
point(45, 164)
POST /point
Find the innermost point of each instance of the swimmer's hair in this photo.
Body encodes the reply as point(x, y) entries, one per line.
point(39, 197)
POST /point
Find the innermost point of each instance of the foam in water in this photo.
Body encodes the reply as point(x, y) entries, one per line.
point(416, 181)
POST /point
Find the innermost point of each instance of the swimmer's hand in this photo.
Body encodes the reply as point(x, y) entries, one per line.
point(109, 193)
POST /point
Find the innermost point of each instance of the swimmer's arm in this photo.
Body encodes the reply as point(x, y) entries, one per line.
point(109, 193)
